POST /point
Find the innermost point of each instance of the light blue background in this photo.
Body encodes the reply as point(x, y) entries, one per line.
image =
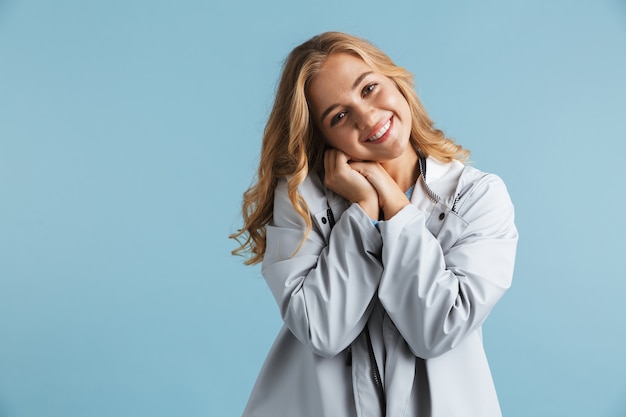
point(130, 129)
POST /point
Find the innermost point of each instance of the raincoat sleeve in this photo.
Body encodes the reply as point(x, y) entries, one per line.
point(438, 289)
point(325, 289)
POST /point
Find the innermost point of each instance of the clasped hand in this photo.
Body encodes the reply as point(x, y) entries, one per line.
point(365, 183)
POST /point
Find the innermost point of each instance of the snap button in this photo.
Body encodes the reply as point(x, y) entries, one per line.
point(441, 216)
point(324, 220)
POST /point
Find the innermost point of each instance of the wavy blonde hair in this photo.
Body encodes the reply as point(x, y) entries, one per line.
point(293, 146)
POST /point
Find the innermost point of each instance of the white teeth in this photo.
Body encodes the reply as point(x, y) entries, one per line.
point(380, 133)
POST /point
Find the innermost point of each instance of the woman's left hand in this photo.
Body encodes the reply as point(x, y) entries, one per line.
point(391, 198)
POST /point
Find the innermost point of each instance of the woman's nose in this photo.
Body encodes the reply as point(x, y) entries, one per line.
point(365, 117)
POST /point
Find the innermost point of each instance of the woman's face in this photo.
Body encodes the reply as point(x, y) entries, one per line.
point(358, 110)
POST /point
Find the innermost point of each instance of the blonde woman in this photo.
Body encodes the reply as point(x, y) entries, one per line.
point(384, 251)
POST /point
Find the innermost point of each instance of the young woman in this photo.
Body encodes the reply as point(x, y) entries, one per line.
point(384, 251)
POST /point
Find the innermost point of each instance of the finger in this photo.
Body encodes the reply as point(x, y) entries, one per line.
point(327, 160)
point(363, 168)
point(332, 160)
point(340, 158)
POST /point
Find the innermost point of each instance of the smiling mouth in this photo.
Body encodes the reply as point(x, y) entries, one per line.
point(380, 132)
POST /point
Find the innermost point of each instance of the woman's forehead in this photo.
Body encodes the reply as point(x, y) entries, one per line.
point(340, 72)
point(342, 62)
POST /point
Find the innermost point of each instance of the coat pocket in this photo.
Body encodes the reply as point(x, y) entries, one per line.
point(325, 219)
point(446, 225)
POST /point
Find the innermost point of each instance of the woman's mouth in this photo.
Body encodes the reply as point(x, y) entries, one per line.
point(380, 134)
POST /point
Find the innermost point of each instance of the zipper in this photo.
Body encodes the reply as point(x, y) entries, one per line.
point(422, 164)
point(433, 196)
point(455, 203)
point(375, 373)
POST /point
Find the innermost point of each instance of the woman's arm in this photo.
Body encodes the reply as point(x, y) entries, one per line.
point(436, 297)
point(324, 291)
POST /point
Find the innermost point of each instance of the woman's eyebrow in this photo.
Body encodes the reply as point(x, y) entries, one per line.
point(360, 78)
point(355, 85)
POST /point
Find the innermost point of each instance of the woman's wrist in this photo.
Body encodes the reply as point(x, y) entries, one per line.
point(392, 206)
point(370, 207)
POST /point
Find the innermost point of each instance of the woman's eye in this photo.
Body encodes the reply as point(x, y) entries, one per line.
point(369, 88)
point(337, 118)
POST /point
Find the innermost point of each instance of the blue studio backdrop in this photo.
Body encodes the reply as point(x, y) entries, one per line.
point(130, 129)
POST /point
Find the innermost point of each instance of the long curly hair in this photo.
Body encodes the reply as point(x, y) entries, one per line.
point(293, 146)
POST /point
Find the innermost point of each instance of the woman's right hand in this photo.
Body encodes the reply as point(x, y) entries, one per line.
point(348, 183)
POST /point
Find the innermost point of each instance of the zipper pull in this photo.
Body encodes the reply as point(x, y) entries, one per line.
point(331, 218)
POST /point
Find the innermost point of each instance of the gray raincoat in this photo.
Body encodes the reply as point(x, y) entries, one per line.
point(386, 320)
